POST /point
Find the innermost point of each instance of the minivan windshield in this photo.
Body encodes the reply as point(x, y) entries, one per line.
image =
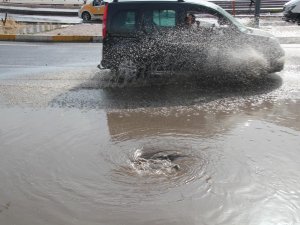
point(292, 2)
point(232, 19)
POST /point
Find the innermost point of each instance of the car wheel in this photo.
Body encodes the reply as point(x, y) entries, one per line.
point(86, 16)
point(126, 71)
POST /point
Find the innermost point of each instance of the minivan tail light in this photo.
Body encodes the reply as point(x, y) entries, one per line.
point(104, 21)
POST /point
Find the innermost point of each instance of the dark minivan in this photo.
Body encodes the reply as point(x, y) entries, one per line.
point(142, 37)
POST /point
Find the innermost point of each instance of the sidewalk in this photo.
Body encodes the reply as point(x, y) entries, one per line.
point(285, 34)
point(43, 4)
point(70, 33)
point(29, 10)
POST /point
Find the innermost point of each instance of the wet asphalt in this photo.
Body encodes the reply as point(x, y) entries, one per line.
point(78, 149)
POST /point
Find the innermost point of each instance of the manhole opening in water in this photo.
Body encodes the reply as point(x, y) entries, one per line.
point(157, 162)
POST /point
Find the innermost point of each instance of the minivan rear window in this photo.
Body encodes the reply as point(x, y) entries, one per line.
point(124, 22)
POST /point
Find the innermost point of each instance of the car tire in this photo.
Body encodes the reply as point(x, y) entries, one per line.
point(126, 71)
point(86, 16)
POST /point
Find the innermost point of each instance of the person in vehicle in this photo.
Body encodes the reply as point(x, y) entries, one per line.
point(190, 20)
point(192, 24)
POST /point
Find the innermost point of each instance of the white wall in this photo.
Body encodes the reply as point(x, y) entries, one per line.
point(45, 1)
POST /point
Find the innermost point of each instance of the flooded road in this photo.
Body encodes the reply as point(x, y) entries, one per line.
point(75, 149)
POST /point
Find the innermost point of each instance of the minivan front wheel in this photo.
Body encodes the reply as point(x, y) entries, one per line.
point(86, 16)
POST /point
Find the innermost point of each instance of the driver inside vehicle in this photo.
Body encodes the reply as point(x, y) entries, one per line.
point(205, 20)
point(190, 20)
point(191, 23)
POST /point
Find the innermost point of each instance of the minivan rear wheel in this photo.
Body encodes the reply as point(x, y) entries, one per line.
point(86, 16)
point(127, 70)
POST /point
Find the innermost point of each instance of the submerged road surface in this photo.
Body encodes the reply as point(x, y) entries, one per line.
point(78, 149)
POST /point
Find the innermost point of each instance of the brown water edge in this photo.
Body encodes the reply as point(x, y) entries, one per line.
point(74, 166)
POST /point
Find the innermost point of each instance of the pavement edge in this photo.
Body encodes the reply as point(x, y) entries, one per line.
point(93, 39)
point(45, 38)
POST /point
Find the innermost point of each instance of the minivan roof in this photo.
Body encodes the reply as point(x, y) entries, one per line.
point(201, 2)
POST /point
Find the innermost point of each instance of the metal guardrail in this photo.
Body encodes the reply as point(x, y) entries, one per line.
point(248, 7)
point(244, 4)
point(232, 6)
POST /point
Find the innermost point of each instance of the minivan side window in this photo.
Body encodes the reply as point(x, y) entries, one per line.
point(124, 22)
point(206, 18)
point(164, 18)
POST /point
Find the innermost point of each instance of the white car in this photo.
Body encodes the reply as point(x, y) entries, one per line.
point(291, 11)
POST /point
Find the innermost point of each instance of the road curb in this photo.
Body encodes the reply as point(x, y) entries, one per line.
point(45, 38)
point(93, 39)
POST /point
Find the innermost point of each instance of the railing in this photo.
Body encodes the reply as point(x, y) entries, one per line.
point(245, 5)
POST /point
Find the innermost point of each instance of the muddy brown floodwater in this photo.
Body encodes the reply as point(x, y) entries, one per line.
point(73, 152)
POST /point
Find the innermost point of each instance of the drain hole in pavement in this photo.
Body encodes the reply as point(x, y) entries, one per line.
point(157, 162)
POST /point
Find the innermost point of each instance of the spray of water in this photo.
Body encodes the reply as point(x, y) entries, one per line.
point(241, 63)
point(212, 53)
